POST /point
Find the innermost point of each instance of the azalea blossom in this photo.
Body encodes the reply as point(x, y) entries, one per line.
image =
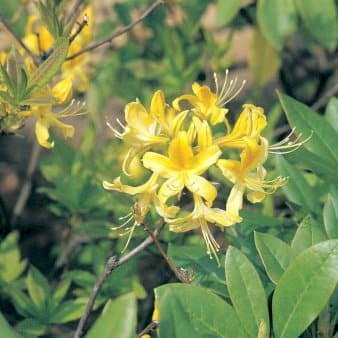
point(248, 173)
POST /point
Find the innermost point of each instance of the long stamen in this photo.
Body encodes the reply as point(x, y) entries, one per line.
point(287, 146)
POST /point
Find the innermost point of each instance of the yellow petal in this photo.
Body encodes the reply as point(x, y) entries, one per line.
point(159, 164)
point(67, 129)
point(42, 133)
point(62, 91)
point(202, 187)
point(130, 190)
point(157, 106)
point(180, 151)
point(205, 159)
point(171, 187)
point(235, 202)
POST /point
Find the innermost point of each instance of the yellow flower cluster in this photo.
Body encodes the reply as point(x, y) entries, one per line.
point(178, 143)
point(74, 75)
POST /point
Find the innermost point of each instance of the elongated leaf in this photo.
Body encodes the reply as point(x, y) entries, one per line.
point(117, 320)
point(38, 288)
point(6, 330)
point(330, 214)
point(275, 254)
point(193, 311)
point(246, 291)
point(304, 289)
point(277, 20)
point(331, 113)
point(318, 165)
point(68, 311)
point(264, 60)
point(308, 233)
point(61, 290)
point(31, 326)
point(320, 17)
point(226, 11)
point(206, 271)
point(297, 189)
point(323, 142)
point(49, 68)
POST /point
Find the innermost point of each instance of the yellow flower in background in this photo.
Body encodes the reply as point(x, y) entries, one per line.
point(46, 118)
point(182, 168)
point(248, 173)
point(37, 38)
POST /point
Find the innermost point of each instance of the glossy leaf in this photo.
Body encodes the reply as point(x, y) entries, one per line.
point(6, 330)
point(206, 271)
point(330, 214)
point(323, 142)
point(246, 291)
point(317, 164)
point(193, 311)
point(117, 320)
point(227, 10)
point(277, 20)
point(320, 17)
point(38, 288)
point(308, 233)
point(297, 189)
point(275, 254)
point(264, 61)
point(331, 113)
point(304, 289)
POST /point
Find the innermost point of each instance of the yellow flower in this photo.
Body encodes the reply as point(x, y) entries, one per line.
point(199, 218)
point(142, 130)
point(250, 124)
point(207, 104)
point(248, 173)
point(46, 118)
point(37, 38)
point(182, 168)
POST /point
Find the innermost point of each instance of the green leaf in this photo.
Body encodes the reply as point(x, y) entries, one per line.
point(304, 289)
point(38, 288)
point(275, 254)
point(49, 68)
point(117, 320)
point(206, 271)
point(31, 326)
point(320, 17)
point(277, 20)
point(6, 330)
point(264, 61)
point(315, 163)
point(246, 291)
point(226, 11)
point(10, 265)
point(308, 233)
point(193, 311)
point(331, 113)
point(22, 303)
point(330, 214)
point(323, 142)
point(297, 189)
point(68, 311)
point(61, 290)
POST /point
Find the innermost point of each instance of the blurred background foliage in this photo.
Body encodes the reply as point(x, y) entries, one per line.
point(51, 255)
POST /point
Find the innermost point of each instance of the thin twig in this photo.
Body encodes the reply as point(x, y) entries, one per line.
point(150, 327)
point(112, 264)
point(181, 277)
point(118, 32)
point(27, 185)
point(325, 97)
point(16, 38)
point(74, 10)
